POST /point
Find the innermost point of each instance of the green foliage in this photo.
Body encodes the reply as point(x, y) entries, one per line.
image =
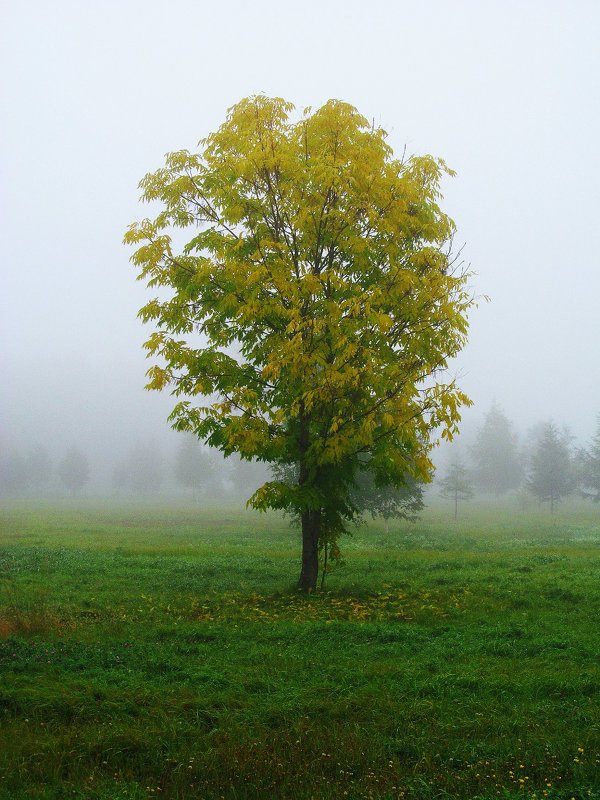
point(367, 497)
point(313, 304)
point(139, 659)
point(389, 501)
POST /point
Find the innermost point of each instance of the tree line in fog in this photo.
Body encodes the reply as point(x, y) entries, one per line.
point(145, 470)
point(544, 466)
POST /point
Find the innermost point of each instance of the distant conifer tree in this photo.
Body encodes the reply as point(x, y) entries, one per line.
point(589, 473)
point(456, 485)
point(551, 475)
point(496, 455)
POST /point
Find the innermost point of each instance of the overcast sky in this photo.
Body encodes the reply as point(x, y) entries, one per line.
point(94, 93)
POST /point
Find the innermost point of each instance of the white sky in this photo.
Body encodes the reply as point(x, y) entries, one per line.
point(94, 92)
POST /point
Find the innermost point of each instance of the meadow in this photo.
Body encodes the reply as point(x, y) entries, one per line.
point(162, 651)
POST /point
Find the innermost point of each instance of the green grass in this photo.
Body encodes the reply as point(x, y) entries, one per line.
point(163, 652)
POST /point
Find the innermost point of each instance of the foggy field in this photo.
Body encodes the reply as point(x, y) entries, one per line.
point(353, 251)
point(163, 652)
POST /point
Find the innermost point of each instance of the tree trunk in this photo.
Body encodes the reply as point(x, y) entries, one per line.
point(311, 524)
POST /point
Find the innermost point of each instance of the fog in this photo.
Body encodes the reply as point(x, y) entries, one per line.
point(94, 94)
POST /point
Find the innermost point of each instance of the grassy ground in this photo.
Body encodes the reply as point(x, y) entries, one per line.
point(163, 652)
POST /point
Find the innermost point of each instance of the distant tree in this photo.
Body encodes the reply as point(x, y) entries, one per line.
point(245, 476)
point(551, 475)
point(388, 501)
point(589, 468)
point(120, 477)
point(13, 476)
point(74, 470)
point(523, 498)
point(528, 447)
point(496, 455)
point(38, 467)
point(144, 468)
point(456, 485)
point(195, 467)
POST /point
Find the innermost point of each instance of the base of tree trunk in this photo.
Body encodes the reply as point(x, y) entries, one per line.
point(311, 523)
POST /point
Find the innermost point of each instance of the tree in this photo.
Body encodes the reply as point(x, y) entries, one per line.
point(245, 477)
point(13, 475)
point(496, 456)
point(551, 476)
point(74, 470)
point(314, 308)
point(39, 468)
point(388, 501)
point(589, 471)
point(144, 469)
point(194, 467)
point(400, 502)
point(456, 485)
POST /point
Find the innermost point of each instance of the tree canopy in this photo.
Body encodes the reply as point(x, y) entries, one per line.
point(310, 315)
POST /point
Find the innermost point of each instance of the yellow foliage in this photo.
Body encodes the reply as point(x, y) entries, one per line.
point(321, 262)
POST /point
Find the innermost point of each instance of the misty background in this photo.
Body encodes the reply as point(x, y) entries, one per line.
point(94, 94)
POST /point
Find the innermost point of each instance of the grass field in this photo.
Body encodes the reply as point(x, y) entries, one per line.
point(163, 652)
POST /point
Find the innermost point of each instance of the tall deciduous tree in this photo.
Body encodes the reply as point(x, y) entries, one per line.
point(314, 307)
point(496, 456)
point(551, 475)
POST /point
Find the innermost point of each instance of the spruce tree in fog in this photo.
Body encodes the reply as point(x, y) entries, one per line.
point(74, 470)
point(456, 485)
point(496, 455)
point(551, 474)
point(589, 471)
